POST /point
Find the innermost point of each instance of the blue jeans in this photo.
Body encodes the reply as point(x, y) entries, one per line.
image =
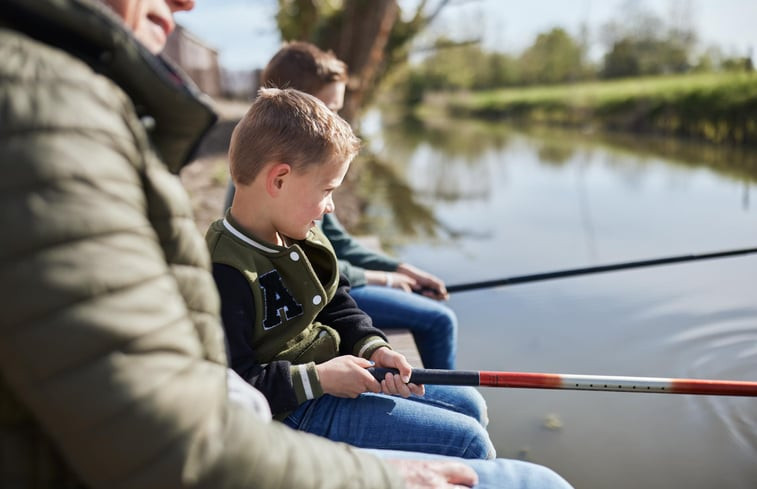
point(461, 399)
point(446, 421)
point(494, 474)
point(433, 324)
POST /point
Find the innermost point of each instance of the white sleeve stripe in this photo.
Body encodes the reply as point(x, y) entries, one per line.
point(305, 381)
point(368, 345)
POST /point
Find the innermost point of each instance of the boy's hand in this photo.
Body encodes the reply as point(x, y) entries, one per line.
point(346, 376)
point(396, 385)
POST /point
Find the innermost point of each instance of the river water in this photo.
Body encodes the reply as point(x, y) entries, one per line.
point(473, 201)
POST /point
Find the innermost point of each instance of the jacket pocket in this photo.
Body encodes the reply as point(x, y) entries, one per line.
point(319, 344)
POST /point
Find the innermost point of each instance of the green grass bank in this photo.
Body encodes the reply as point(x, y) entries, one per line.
point(719, 108)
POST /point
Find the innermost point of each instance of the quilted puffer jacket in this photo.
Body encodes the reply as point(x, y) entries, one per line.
point(112, 364)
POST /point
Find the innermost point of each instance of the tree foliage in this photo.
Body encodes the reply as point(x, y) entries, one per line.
point(643, 44)
point(374, 39)
point(369, 35)
point(555, 57)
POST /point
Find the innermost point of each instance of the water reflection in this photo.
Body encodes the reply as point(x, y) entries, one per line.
point(489, 201)
point(401, 210)
point(465, 141)
point(451, 161)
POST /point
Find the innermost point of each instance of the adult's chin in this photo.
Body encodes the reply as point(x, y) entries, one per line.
point(153, 38)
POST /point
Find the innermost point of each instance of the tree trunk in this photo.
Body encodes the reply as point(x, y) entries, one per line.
point(365, 29)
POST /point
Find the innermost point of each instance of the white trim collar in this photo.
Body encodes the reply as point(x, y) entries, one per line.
point(239, 234)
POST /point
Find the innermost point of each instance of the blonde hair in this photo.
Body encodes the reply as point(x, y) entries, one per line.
point(303, 66)
point(288, 126)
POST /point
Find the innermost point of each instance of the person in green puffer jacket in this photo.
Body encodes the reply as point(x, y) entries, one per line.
point(112, 360)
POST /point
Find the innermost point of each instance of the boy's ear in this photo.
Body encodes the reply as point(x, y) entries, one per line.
point(275, 177)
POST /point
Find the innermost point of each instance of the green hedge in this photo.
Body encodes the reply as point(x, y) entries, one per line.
point(719, 108)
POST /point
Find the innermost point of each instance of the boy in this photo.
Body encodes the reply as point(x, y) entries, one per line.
point(380, 285)
point(294, 332)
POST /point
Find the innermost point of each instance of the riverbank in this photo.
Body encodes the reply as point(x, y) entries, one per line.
point(719, 108)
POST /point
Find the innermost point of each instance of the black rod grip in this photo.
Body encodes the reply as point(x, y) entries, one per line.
point(431, 376)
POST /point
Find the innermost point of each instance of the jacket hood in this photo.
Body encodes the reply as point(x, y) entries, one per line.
point(89, 30)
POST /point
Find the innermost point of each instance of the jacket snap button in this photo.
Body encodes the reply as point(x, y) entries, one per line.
point(317, 300)
point(148, 122)
point(294, 256)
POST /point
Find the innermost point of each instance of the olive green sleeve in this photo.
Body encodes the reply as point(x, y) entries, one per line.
point(366, 346)
point(306, 383)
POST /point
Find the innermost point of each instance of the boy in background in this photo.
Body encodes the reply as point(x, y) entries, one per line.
point(294, 332)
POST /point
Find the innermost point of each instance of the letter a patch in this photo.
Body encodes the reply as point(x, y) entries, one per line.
point(277, 300)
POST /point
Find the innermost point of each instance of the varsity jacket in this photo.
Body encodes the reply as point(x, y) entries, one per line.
point(113, 370)
point(285, 309)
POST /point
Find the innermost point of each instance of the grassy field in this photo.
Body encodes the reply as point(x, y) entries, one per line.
point(716, 107)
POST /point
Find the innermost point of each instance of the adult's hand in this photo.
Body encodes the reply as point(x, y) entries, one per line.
point(394, 280)
point(434, 474)
point(346, 376)
point(429, 285)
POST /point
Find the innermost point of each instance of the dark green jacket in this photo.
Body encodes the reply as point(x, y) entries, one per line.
point(112, 364)
point(354, 258)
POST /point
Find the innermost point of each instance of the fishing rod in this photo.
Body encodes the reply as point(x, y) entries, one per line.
point(596, 269)
point(532, 380)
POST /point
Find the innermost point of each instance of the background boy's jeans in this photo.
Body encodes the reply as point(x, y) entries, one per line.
point(433, 324)
point(495, 474)
point(434, 423)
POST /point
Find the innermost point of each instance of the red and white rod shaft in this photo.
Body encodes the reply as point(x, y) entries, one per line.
point(531, 380)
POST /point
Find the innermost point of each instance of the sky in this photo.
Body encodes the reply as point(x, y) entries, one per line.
point(245, 33)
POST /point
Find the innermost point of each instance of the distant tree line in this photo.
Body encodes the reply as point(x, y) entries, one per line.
point(643, 44)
